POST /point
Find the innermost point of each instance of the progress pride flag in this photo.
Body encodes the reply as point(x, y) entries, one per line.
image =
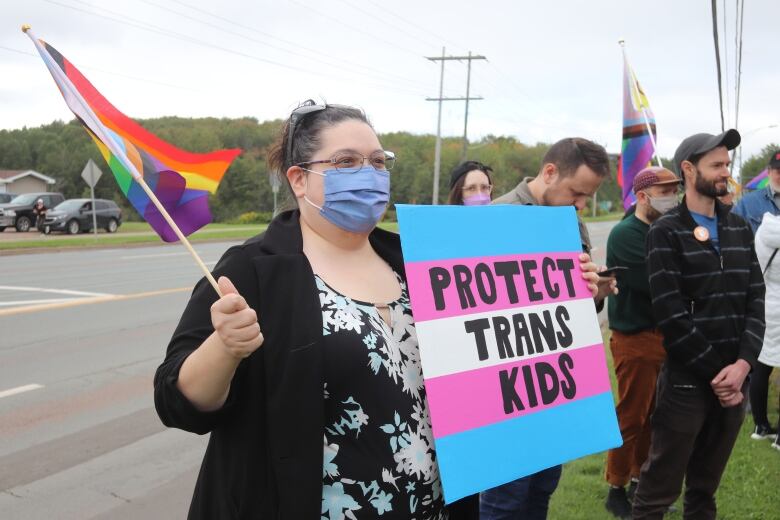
point(511, 349)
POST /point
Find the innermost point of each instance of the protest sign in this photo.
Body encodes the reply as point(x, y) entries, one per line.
point(512, 355)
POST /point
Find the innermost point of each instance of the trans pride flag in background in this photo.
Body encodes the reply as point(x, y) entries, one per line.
point(637, 149)
point(180, 180)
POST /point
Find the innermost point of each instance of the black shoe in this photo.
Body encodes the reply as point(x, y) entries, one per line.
point(763, 431)
point(632, 490)
point(617, 502)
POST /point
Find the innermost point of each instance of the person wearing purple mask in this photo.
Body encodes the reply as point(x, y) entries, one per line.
point(470, 184)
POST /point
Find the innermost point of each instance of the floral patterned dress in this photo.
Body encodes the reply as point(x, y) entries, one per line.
point(379, 459)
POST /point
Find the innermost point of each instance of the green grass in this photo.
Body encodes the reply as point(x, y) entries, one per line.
point(141, 227)
point(615, 215)
point(749, 489)
point(135, 233)
point(131, 233)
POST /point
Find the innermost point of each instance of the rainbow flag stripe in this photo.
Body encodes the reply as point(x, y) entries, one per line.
point(759, 181)
point(637, 147)
point(181, 180)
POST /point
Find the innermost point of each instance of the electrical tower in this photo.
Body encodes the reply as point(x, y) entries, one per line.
point(437, 157)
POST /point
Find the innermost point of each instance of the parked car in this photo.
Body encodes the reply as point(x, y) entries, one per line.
point(19, 212)
point(6, 197)
point(75, 215)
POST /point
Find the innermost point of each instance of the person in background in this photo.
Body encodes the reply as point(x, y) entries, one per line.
point(767, 244)
point(752, 207)
point(571, 172)
point(39, 210)
point(636, 344)
point(708, 301)
point(470, 184)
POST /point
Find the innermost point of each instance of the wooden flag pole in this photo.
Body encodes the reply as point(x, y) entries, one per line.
point(96, 127)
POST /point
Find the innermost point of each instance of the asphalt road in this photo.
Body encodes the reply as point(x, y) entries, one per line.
point(81, 334)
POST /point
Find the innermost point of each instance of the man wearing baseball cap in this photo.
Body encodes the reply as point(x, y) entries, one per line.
point(636, 344)
point(708, 300)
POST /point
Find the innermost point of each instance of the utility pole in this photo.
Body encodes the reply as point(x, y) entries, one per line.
point(440, 99)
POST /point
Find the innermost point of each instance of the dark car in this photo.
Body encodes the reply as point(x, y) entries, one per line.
point(75, 215)
point(6, 197)
point(19, 212)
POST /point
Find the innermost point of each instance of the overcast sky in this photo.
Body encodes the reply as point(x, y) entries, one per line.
point(554, 68)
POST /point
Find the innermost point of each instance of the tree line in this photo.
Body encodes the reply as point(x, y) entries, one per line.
point(60, 150)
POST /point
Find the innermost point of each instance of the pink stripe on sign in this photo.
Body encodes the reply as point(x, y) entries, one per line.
point(475, 398)
point(456, 287)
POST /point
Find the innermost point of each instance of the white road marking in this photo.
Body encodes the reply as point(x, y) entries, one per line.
point(19, 390)
point(33, 302)
point(53, 291)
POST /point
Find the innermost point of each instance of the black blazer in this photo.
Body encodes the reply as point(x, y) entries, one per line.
point(264, 458)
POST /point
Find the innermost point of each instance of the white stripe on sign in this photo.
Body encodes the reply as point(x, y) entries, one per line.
point(53, 291)
point(19, 390)
point(447, 348)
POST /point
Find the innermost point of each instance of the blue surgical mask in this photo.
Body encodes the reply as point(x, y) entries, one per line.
point(355, 198)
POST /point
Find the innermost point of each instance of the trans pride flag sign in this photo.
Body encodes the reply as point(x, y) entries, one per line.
point(512, 355)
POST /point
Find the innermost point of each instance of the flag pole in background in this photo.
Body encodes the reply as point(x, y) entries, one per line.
point(82, 109)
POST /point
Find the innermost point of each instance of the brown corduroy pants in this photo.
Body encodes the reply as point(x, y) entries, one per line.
point(637, 359)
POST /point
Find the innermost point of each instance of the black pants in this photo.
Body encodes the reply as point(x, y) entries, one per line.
point(759, 390)
point(692, 438)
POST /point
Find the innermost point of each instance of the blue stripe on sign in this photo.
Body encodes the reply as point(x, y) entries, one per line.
point(442, 232)
point(483, 458)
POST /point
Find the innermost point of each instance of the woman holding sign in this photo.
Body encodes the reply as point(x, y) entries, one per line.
point(306, 371)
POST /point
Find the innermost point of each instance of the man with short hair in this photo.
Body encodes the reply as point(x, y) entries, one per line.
point(636, 344)
point(708, 300)
point(572, 170)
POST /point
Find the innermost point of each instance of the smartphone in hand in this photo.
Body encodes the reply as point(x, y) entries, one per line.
point(612, 271)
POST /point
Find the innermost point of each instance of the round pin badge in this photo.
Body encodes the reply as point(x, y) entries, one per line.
point(701, 233)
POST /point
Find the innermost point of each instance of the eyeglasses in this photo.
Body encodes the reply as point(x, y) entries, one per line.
point(308, 107)
point(478, 188)
point(347, 161)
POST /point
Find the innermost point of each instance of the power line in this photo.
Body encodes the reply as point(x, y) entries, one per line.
point(112, 73)
point(738, 86)
point(425, 30)
point(726, 60)
point(125, 20)
point(396, 27)
point(717, 60)
point(357, 28)
point(350, 66)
